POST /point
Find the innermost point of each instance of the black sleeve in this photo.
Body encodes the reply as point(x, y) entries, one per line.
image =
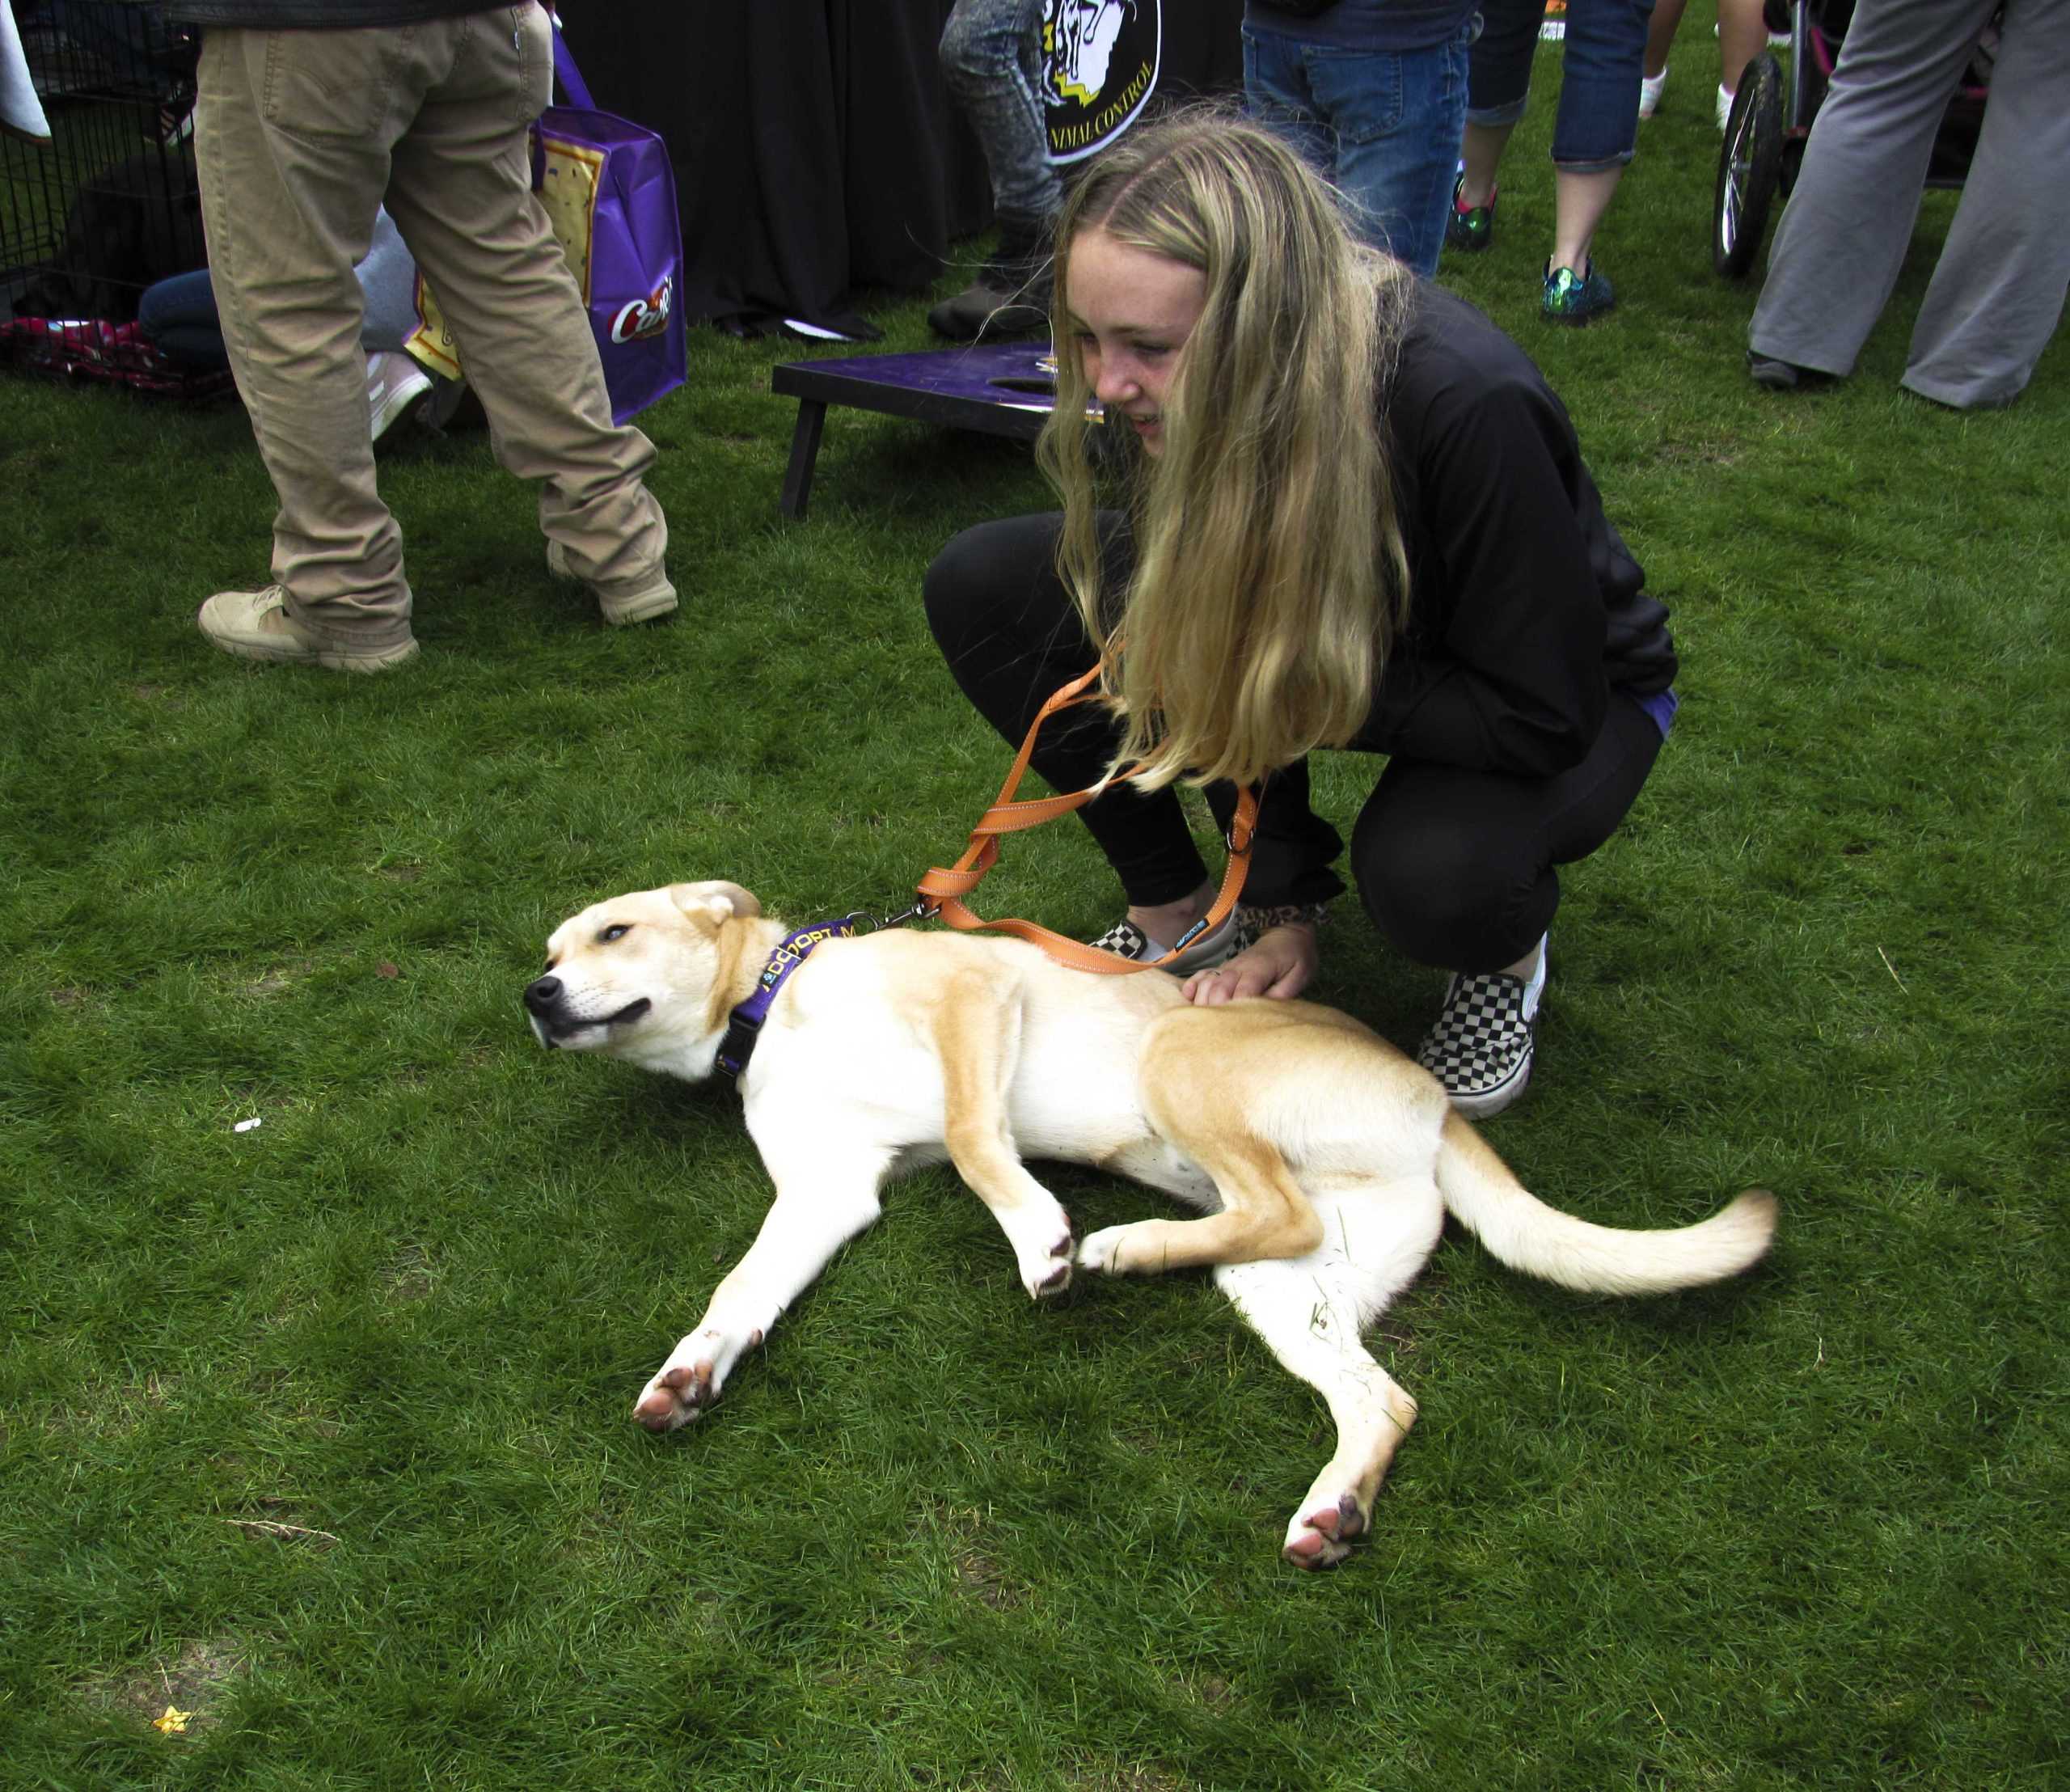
point(1295, 848)
point(1502, 668)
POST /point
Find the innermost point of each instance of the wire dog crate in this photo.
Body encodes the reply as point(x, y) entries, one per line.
point(110, 205)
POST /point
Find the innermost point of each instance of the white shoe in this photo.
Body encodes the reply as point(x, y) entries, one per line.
point(21, 113)
point(1650, 87)
point(395, 385)
point(1724, 106)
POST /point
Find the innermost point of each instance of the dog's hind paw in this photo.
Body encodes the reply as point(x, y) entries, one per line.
point(676, 1396)
point(1116, 1250)
point(1323, 1537)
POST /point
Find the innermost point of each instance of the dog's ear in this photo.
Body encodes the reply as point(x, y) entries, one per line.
point(713, 903)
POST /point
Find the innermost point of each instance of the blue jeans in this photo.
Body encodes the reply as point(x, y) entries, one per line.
point(1383, 125)
point(179, 315)
point(1598, 123)
point(991, 57)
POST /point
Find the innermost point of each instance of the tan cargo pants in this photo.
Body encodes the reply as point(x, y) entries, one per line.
point(299, 135)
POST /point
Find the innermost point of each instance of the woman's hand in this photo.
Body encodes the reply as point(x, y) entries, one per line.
point(1281, 964)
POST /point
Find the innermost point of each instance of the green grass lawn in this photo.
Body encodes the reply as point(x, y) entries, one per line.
point(319, 1430)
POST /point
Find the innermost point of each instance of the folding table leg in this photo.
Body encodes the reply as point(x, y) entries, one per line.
point(805, 450)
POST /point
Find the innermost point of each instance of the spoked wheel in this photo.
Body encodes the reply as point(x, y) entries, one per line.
point(1749, 167)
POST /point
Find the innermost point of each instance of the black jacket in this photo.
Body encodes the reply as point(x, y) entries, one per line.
point(1526, 607)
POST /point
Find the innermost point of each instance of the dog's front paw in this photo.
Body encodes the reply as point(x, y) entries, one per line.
point(1322, 1534)
point(676, 1396)
point(688, 1382)
point(1046, 1274)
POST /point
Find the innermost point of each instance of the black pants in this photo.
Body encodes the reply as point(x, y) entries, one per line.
point(1455, 867)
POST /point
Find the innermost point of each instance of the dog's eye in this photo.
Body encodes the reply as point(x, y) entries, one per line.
point(617, 931)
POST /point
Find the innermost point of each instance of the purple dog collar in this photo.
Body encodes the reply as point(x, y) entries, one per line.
point(744, 1024)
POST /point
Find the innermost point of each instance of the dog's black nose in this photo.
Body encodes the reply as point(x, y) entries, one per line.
point(540, 997)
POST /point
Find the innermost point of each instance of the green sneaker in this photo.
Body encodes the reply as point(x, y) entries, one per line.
point(1470, 228)
point(1576, 298)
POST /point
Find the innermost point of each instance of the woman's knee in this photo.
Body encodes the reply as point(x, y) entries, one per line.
point(989, 571)
point(955, 580)
point(1447, 894)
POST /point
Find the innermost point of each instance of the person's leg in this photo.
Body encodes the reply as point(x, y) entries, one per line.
point(1843, 234)
point(1011, 637)
point(292, 137)
point(1398, 120)
point(178, 314)
point(461, 195)
point(1660, 39)
point(1456, 867)
point(1580, 199)
point(991, 56)
point(1997, 291)
point(987, 60)
point(1498, 88)
point(1743, 34)
point(1597, 125)
point(1481, 156)
point(1277, 94)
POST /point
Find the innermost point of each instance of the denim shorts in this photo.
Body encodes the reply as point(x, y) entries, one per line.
point(1603, 56)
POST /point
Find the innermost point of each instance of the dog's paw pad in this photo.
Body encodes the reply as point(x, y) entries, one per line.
point(675, 1396)
point(1322, 1538)
point(1309, 1549)
point(1053, 1284)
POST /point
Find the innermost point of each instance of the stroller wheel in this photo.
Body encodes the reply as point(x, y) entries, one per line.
point(1749, 167)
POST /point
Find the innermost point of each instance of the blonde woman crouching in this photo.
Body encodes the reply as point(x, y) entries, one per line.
point(1356, 516)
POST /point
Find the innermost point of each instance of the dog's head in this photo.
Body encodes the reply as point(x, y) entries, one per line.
point(644, 976)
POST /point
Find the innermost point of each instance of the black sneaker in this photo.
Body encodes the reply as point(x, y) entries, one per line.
point(1481, 1046)
point(1010, 294)
point(1784, 376)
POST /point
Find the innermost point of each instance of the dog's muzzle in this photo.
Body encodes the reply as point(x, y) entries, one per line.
point(546, 1000)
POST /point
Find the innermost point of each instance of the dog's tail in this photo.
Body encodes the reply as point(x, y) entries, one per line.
point(1521, 1231)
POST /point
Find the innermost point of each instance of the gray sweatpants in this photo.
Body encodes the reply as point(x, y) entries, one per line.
point(1999, 287)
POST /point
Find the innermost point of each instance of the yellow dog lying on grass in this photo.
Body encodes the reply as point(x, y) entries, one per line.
point(1324, 1160)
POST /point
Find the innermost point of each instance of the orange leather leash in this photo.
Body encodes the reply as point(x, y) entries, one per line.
point(942, 891)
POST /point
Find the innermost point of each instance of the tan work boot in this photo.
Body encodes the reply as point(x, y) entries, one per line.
point(255, 625)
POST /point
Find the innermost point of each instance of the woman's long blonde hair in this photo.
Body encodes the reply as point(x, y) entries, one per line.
point(1270, 578)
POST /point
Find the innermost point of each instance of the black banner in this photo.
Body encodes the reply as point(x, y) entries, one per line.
point(1100, 59)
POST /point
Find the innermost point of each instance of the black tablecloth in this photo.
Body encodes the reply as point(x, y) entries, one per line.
point(817, 151)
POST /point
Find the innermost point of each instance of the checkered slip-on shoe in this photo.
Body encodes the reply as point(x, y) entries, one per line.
point(1130, 941)
point(1481, 1046)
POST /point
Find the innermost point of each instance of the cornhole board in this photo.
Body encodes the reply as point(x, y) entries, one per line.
point(1001, 389)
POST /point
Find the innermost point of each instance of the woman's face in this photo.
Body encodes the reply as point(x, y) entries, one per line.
point(1129, 312)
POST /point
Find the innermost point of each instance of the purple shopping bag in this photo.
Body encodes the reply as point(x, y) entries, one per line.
point(607, 184)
